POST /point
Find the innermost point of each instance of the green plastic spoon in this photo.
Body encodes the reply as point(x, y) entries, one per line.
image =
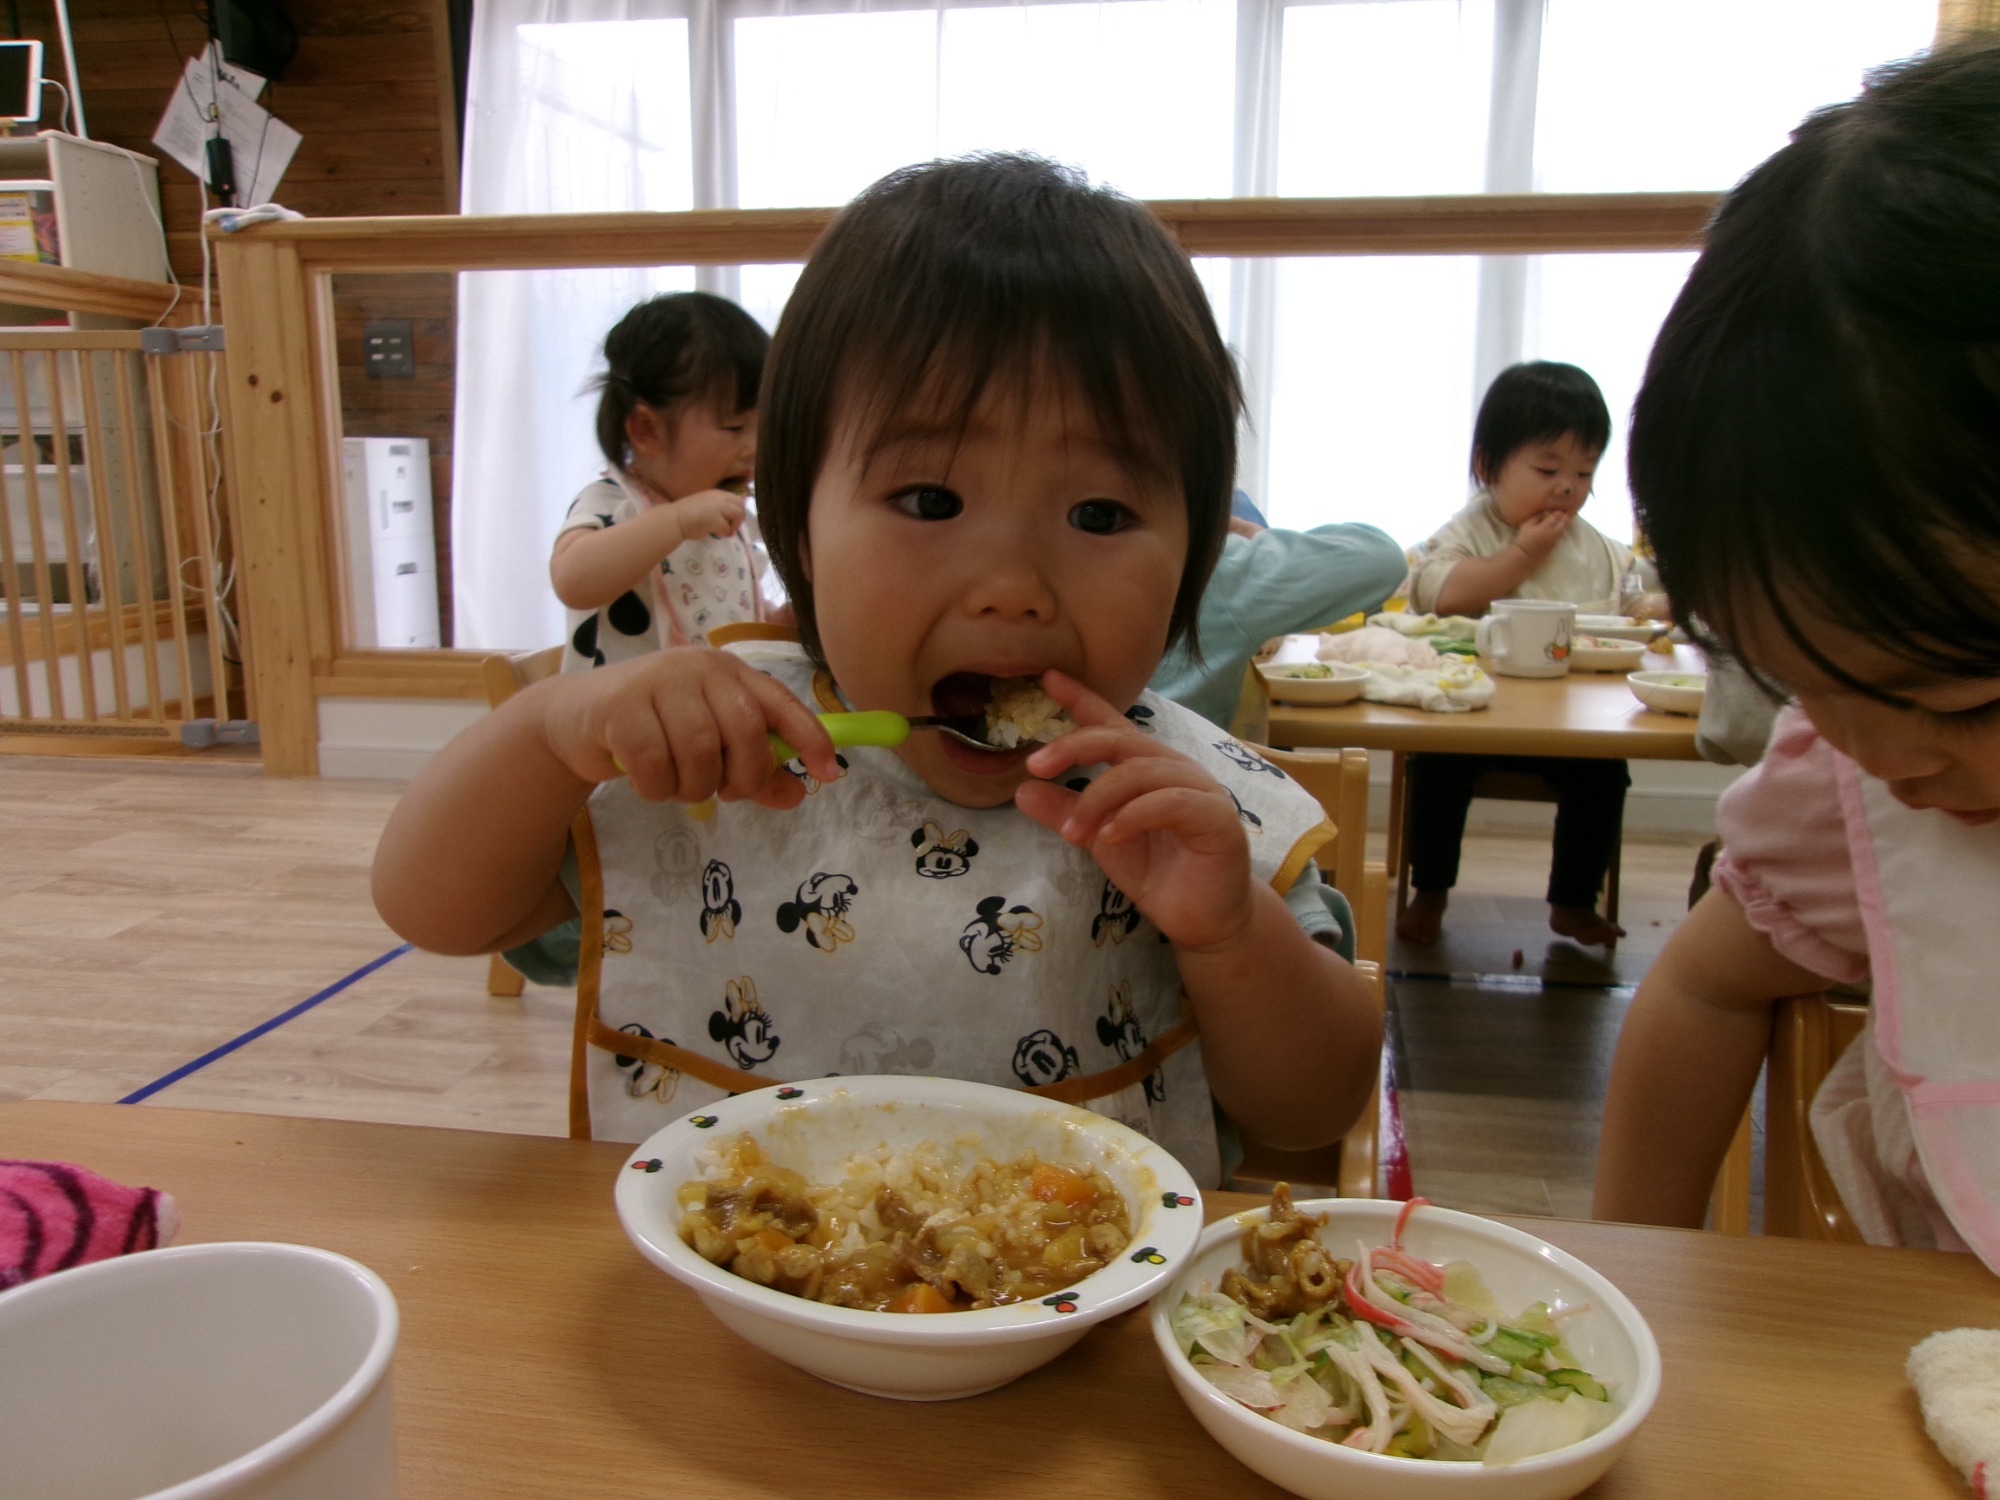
point(880, 727)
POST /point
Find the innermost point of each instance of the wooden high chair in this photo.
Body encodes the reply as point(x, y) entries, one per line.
point(1338, 779)
point(504, 676)
point(1808, 1035)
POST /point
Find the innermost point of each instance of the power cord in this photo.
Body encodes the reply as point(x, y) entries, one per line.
point(67, 112)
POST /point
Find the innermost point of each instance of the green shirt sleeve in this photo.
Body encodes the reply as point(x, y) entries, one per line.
point(552, 957)
point(1322, 911)
point(1272, 584)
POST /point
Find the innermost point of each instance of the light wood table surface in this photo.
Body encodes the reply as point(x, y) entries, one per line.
point(541, 1356)
point(1590, 715)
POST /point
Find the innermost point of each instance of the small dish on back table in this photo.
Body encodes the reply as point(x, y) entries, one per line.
point(1604, 653)
point(1319, 684)
point(1669, 692)
point(1621, 627)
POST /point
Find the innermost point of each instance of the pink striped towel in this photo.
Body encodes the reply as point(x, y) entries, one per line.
point(54, 1216)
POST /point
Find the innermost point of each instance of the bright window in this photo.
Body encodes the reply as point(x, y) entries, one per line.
point(1363, 372)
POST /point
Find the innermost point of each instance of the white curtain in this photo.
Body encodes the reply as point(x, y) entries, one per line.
point(1363, 373)
point(574, 106)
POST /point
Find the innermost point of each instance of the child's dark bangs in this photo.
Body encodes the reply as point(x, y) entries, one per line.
point(1784, 496)
point(892, 396)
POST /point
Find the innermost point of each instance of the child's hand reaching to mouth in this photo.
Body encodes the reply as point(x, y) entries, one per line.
point(1290, 1033)
point(1540, 532)
point(1162, 830)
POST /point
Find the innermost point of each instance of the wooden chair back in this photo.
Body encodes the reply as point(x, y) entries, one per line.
point(1808, 1034)
point(1338, 780)
point(503, 677)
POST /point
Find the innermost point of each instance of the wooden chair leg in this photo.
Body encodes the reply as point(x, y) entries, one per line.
point(1611, 876)
point(1729, 1205)
point(1398, 858)
point(503, 979)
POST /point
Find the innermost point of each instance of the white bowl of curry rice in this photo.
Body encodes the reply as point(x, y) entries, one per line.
point(915, 1238)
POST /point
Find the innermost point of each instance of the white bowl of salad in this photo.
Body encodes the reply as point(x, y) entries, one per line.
point(1351, 1349)
point(1320, 684)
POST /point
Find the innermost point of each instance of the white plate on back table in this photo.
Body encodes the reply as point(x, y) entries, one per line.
point(1620, 627)
point(1603, 653)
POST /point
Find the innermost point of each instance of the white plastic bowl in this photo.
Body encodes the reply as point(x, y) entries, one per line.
point(206, 1372)
point(1667, 691)
point(814, 1127)
point(1608, 1336)
point(1604, 653)
point(1285, 684)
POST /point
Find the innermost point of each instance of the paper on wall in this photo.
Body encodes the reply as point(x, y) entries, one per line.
point(211, 96)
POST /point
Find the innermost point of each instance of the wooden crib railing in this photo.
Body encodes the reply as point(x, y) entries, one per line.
point(284, 398)
point(114, 550)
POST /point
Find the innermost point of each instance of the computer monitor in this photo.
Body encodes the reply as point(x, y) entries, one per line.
point(20, 81)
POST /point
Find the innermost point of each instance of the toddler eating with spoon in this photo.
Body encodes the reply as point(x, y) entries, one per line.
point(998, 437)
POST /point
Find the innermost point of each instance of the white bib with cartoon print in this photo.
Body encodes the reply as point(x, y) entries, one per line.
point(703, 584)
point(880, 929)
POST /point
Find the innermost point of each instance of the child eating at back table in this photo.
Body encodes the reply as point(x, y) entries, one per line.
point(1816, 456)
point(1540, 431)
point(999, 431)
point(661, 549)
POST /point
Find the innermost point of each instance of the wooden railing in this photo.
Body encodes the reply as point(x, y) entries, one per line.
point(113, 540)
point(284, 398)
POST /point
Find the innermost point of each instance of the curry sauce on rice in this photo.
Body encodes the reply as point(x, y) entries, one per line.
point(901, 1231)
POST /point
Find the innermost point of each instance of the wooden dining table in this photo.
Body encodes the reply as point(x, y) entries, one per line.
point(1590, 715)
point(542, 1356)
point(1585, 715)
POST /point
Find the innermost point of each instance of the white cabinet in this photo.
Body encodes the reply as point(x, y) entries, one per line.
point(38, 497)
point(107, 209)
point(391, 547)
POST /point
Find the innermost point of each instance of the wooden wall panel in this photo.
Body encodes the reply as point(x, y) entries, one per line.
point(370, 92)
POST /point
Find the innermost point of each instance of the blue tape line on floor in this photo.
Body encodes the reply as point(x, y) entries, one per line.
point(254, 1032)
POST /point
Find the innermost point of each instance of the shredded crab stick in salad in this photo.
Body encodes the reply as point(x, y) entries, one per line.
point(1387, 1352)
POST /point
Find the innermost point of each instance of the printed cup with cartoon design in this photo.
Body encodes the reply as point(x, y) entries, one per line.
point(1527, 637)
point(814, 1127)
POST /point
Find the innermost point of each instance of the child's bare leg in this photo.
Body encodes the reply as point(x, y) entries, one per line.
point(1687, 1061)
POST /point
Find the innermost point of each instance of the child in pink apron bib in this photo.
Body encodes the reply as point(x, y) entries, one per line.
point(1816, 458)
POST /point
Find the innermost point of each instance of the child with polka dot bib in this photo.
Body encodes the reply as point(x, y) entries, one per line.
point(1000, 434)
point(662, 548)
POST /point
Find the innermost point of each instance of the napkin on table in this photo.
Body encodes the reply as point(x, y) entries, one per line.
point(54, 1216)
point(1957, 1376)
point(1375, 643)
point(1454, 689)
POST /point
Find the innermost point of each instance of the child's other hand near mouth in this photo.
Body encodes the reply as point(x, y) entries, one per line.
point(1162, 830)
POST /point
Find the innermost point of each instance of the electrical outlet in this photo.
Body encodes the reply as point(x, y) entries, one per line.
point(387, 351)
